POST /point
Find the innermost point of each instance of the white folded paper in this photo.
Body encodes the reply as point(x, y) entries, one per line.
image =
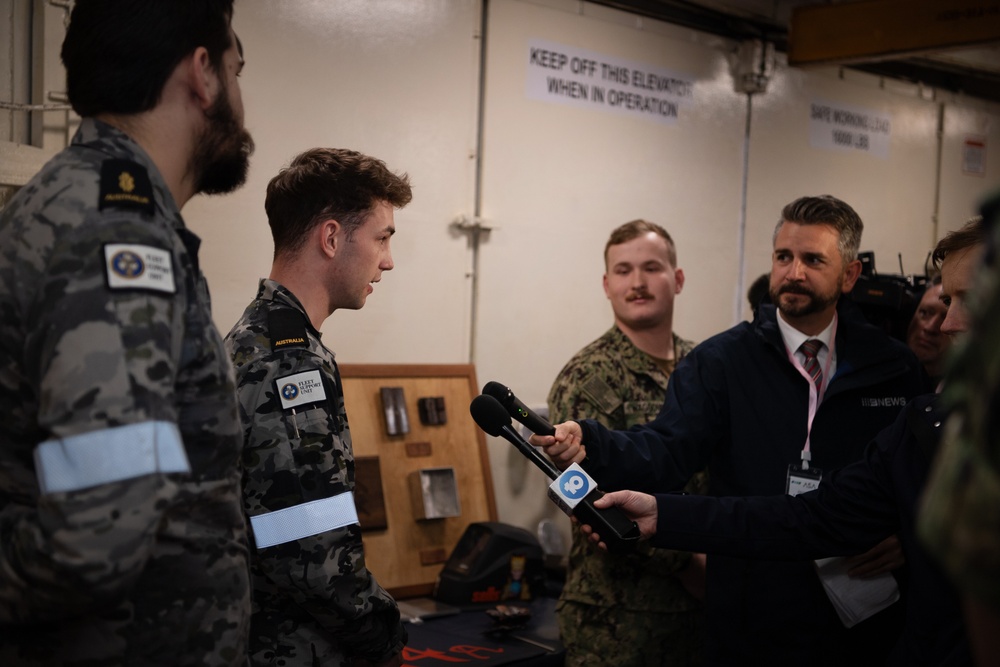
point(855, 599)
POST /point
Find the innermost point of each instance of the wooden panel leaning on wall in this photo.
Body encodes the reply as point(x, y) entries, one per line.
point(407, 554)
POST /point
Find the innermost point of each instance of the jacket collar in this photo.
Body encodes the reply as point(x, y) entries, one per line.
point(271, 290)
point(860, 345)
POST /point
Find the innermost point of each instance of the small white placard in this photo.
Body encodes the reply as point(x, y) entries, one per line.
point(301, 388)
point(974, 156)
point(577, 77)
point(135, 266)
point(839, 127)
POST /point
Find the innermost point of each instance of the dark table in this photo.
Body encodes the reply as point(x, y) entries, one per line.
point(468, 637)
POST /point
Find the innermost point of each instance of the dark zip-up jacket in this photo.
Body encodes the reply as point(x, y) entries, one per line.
point(737, 405)
point(852, 510)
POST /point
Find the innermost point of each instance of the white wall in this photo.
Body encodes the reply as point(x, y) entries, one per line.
point(395, 79)
point(962, 192)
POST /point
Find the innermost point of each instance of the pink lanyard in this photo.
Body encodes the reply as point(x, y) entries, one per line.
point(815, 395)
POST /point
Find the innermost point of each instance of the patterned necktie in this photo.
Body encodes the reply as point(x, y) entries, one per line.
point(810, 349)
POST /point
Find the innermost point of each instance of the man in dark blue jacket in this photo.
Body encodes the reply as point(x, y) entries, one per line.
point(802, 388)
point(853, 508)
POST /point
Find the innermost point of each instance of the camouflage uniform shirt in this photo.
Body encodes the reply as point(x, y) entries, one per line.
point(123, 540)
point(315, 602)
point(616, 383)
point(960, 516)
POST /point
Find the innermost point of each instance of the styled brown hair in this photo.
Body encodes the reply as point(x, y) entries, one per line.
point(328, 183)
point(971, 234)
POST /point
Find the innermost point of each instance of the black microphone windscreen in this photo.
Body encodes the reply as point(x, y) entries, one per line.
point(501, 393)
point(489, 414)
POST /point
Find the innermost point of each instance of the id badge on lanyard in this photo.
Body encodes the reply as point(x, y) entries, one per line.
point(799, 480)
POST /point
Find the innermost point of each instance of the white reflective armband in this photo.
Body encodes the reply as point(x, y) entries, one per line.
point(305, 520)
point(109, 455)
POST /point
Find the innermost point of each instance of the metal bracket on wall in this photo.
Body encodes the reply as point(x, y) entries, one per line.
point(472, 224)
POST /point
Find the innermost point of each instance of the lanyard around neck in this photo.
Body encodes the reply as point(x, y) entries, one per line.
point(816, 394)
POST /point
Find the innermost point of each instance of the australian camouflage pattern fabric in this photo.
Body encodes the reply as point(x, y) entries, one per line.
point(960, 515)
point(110, 363)
point(315, 602)
point(624, 609)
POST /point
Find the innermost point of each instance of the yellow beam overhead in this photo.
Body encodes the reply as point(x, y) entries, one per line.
point(853, 32)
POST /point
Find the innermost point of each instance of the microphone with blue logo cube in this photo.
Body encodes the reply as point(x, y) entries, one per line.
point(573, 490)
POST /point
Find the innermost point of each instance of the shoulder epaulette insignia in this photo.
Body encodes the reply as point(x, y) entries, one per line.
point(125, 184)
point(286, 327)
point(601, 394)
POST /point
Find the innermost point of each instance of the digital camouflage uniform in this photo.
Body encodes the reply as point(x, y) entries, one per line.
point(122, 536)
point(627, 609)
point(960, 516)
point(315, 602)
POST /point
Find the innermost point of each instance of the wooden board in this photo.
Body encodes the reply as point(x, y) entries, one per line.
point(407, 555)
point(852, 32)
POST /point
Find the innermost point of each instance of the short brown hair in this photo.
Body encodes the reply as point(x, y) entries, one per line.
point(827, 210)
point(969, 235)
point(636, 228)
point(328, 183)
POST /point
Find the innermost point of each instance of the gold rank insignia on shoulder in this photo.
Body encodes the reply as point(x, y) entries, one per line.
point(126, 185)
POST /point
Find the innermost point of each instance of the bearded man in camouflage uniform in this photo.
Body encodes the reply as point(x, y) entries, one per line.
point(120, 517)
point(631, 609)
point(315, 602)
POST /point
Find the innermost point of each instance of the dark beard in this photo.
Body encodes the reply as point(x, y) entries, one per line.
point(815, 304)
point(222, 156)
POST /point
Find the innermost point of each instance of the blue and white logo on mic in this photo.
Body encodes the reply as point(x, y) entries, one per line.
point(574, 485)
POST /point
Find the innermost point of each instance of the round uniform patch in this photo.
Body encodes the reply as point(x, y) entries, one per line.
point(127, 264)
point(289, 391)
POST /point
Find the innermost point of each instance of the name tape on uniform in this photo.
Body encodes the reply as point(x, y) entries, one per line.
point(301, 388)
point(136, 266)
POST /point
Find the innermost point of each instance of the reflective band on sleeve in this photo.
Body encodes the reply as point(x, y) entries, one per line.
point(109, 455)
point(305, 520)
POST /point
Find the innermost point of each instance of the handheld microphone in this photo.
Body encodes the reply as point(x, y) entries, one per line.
point(573, 490)
point(517, 409)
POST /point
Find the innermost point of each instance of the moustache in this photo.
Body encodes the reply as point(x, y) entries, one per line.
point(794, 289)
point(638, 295)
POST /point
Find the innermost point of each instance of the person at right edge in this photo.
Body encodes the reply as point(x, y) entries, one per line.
point(642, 608)
point(959, 520)
point(802, 388)
point(314, 601)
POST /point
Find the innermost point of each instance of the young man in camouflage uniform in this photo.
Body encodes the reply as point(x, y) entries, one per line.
point(123, 538)
point(315, 602)
point(630, 609)
point(960, 516)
